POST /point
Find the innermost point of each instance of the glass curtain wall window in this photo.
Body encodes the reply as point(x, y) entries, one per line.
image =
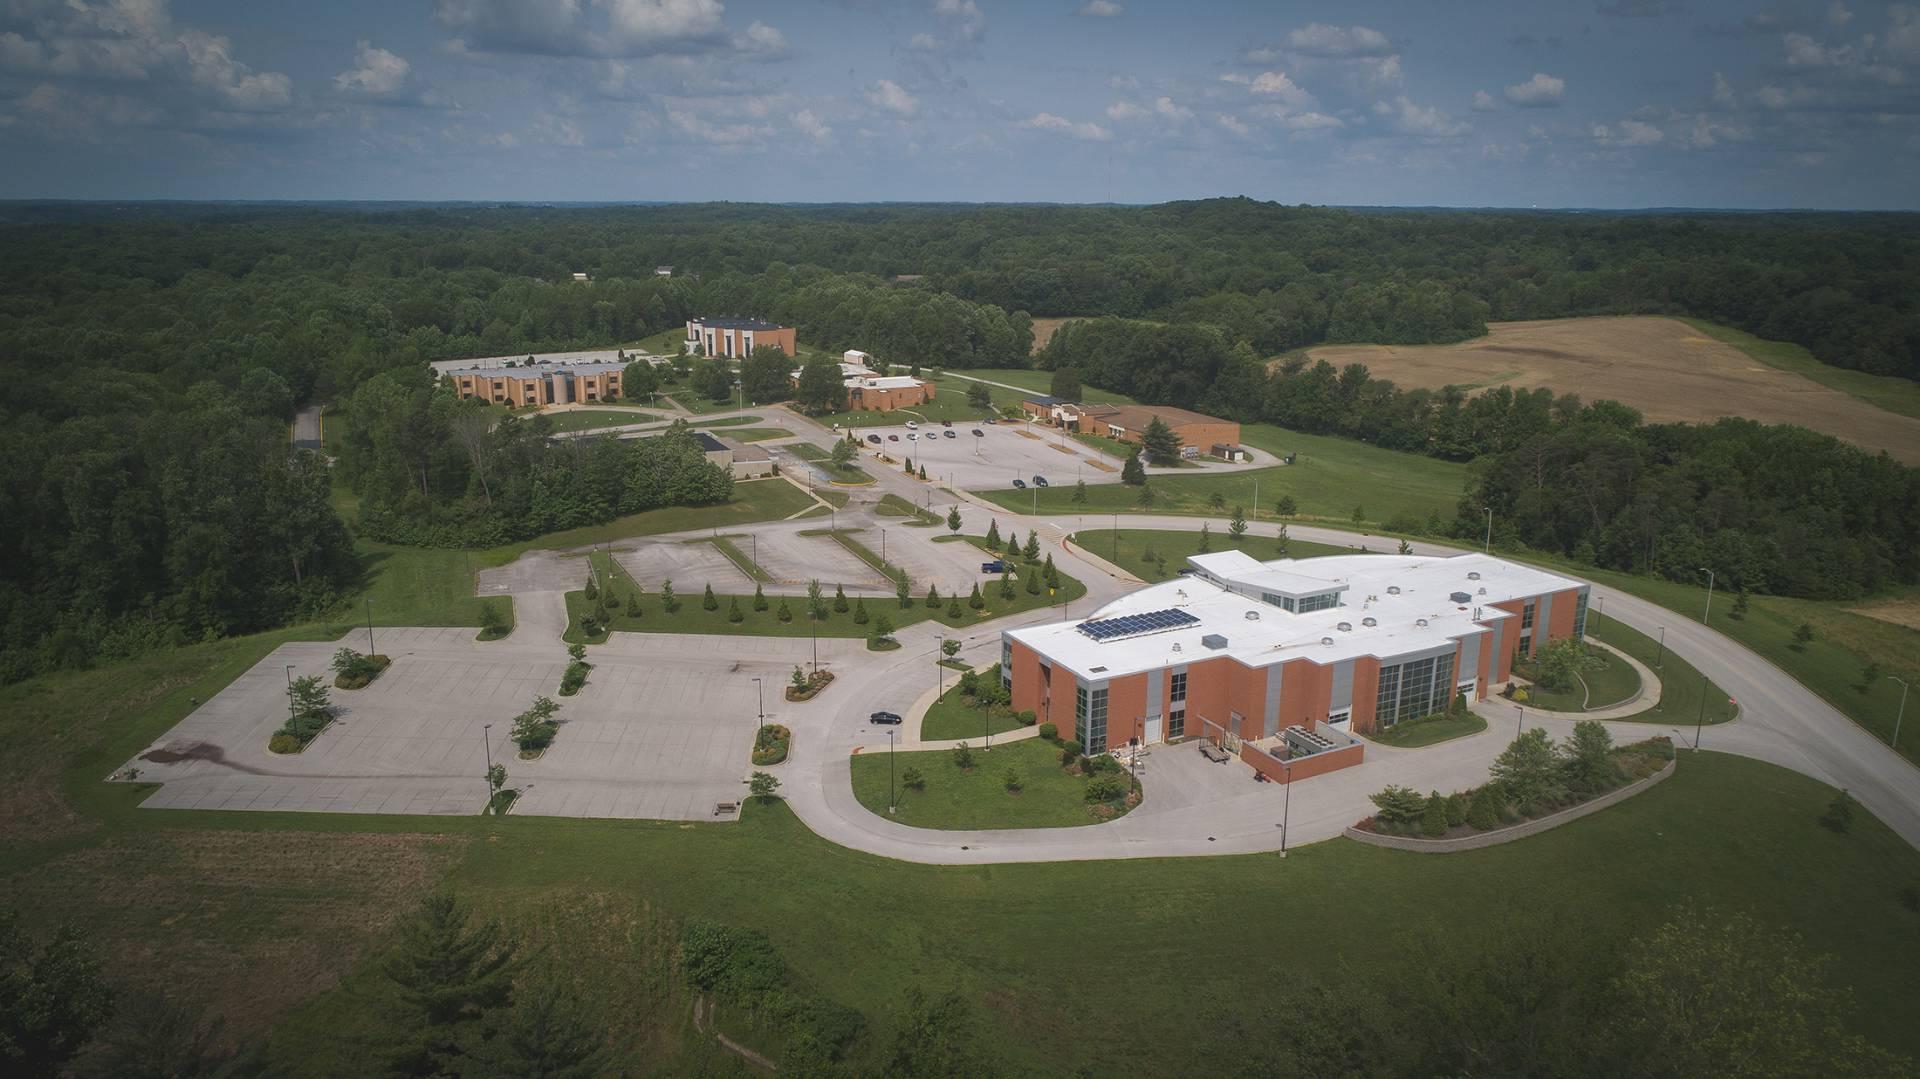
point(1411, 690)
point(1580, 616)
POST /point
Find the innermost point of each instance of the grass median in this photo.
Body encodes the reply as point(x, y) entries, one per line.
point(951, 798)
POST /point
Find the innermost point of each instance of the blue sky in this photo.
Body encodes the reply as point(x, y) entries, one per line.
point(1606, 103)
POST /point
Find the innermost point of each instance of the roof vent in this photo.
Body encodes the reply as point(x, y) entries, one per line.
point(1214, 640)
point(1096, 670)
point(1327, 641)
point(1253, 616)
point(1483, 590)
point(1393, 590)
point(1345, 627)
point(1473, 575)
point(1460, 597)
point(1419, 621)
point(1176, 646)
point(1369, 621)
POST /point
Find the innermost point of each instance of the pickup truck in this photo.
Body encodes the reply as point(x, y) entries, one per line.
point(995, 566)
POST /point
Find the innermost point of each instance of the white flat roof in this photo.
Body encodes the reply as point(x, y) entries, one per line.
point(609, 357)
point(884, 382)
point(1258, 634)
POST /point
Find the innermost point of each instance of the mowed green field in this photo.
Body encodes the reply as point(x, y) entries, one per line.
point(1128, 547)
point(227, 902)
point(1332, 477)
point(949, 403)
point(1034, 383)
point(949, 798)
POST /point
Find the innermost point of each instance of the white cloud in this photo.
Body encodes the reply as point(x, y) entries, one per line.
point(1277, 84)
point(1309, 121)
point(379, 77)
point(922, 43)
point(1540, 92)
point(887, 94)
point(1638, 133)
point(605, 28)
point(1378, 72)
point(211, 64)
point(651, 21)
point(1785, 97)
point(1901, 39)
point(1318, 39)
point(1046, 121)
point(811, 126)
point(964, 17)
point(1166, 109)
point(1484, 102)
point(1838, 14)
point(1127, 110)
point(557, 131)
point(1234, 125)
point(698, 127)
point(761, 39)
point(1102, 9)
point(1424, 121)
point(1723, 95)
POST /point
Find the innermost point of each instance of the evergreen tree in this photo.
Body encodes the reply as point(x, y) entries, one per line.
point(1527, 771)
point(1286, 507)
point(668, 601)
point(1006, 585)
point(1483, 809)
point(759, 599)
point(1013, 543)
point(543, 1036)
point(734, 614)
point(903, 592)
point(52, 998)
point(909, 466)
point(1802, 636)
point(1206, 537)
point(860, 611)
point(1359, 515)
point(1079, 492)
point(1033, 581)
point(592, 591)
point(1433, 820)
point(1740, 603)
point(976, 600)
point(450, 972)
point(782, 612)
point(993, 534)
point(953, 607)
point(633, 603)
point(933, 597)
point(1032, 550)
point(708, 601)
point(953, 520)
point(1281, 544)
point(923, 472)
point(1160, 444)
point(1132, 472)
point(840, 599)
point(1237, 528)
point(1049, 574)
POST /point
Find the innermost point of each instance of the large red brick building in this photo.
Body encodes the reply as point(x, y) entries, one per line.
point(1282, 661)
point(534, 381)
point(1198, 432)
point(736, 338)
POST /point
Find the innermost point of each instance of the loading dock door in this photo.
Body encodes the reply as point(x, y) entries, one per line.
point(1153, 730)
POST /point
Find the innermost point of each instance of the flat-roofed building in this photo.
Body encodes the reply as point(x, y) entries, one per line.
point(1274, 655)
point(556, 379)
point(736, 338)
point(1198, 432)
point(868, 390)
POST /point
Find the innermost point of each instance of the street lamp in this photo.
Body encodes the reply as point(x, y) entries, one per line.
point(1661, 653)
point(1488, 547)
point(289, 693)
point(760, 692)
point(1902, 713)
point(1702, 720)
point(486, 743)
point(370, 650)
point(1286, 814)
point(1521, 727)
point(890, 798)
point(1709, 611)
point(939, 667)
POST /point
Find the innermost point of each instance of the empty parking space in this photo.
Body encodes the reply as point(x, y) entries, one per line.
point(998, 456)
point(689, 565)
point(793, 559)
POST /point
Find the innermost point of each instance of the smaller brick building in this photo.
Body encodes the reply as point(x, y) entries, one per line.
point(875, 392)
point(736, 338)
point(1198, 433)
point(534, 382)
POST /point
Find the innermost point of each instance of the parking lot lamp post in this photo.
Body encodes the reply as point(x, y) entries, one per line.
point(760, 692)
point(1902, 713)
point(883, 546)
point(289, 693)
point(486, 743)
point(939, 667)
point(370, 625)
point(1286, 813)
point(1661, 652)
point(1702, 719)
point(1708, 613)
point(1487, 548)
point(1116, 539)
point(890, 798)
point(1522, 726)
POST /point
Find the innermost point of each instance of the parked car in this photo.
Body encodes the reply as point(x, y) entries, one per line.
point(911, 437)
point(989, 419)
point(893, 438)
point(887, 718)
point(1022, 484)
point(912, 426)
point(875, 439)
point(978, 433)
point(946, 423)
point(1211, 752)
point(995, 566)
point(951, 434)
point(1039, 481)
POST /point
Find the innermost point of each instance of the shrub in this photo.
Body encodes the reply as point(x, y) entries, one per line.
point(734, 614)
point(953, 608)
point(492, 622)
point(1068, 754)
point(1398, 806)
point(912, 778)
point(1838, 818)
point(1105, 788)
point(1483, 808)
point(588, 627)
point(284, 743)
point(933, 597)
point(573, 679)
point(1012, 781)
point(1048, 732)
point(709, 601)
point(1071, 747)
point(783, 613)
point(633, 604)
point(1456, 810)
point(592, 592)
point(840, 599)
point(1026, 717)
point(860, 611)
point(1433, 821)
point(963, 757)
point(976, 600)
point(759, 599)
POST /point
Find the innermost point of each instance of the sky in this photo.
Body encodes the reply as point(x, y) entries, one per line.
point(1595, 103)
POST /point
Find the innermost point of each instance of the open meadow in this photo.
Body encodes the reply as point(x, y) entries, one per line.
point(1671, 371)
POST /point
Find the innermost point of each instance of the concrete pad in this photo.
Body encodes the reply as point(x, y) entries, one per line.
point(791, 559)
point(690, 566)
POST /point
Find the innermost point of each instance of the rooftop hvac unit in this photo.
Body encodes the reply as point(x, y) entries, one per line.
point(1345, 627)
point(1369, 621)
point(1214, 640)
point(1253, 616)
point(1483, 590)
point(1473, 575)
point(1393, 590)
point(1328, 641)
point(1419, 621)
point(1461, 597)
point(1176, 646)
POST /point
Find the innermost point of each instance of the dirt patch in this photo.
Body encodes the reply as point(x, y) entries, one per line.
point(188, 751)
point(251, 922)
point(1045, 328)
point(1900, 612)
point(1658, 365)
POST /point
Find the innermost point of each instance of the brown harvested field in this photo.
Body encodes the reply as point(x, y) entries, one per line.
point(1661, 366)
point(1043, 329)
point(1900, 612)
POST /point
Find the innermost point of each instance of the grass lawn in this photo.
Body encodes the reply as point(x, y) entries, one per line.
point(1428, 731)
point(1330, 479)
point(1894, 394)
point(1049, 797)
point(1037, 383)
point(275, 918)
point(894, 506)
point(587, 419)
point(693, 618)
point(954, 716)
point(1681, 686)
point(701, 405)
point(823, 460)
point(1128, 547)
point(1612, 681)
point(949, 403)
point(757, 434)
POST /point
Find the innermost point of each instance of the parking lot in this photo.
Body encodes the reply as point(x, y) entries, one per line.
point(1000, 454)
point(661, 730)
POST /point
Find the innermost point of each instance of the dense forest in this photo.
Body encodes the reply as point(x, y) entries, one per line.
point(147, 495)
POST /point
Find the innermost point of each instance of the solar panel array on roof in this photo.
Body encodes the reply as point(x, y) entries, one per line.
point(1135, 625)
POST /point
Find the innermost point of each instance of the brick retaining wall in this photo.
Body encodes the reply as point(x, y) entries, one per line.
point(1518, 831)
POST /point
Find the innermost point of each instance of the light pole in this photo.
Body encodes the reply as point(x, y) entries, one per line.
point(289, 693)
point(1116, 539)
point(1702, 720)
point(939, 667)
point(1521, 727)
point(486, 743)
point(1487, 548)
point(370, 625)
point(760, 693)
point(1902, 713)
point(883, 546)
point(1708, 613)
point(890, 798)
point(1661, 653)
point(1286, 813)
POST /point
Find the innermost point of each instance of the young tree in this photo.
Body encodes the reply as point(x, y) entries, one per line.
point(1433, 818)
point(860, 611)
point(1006, 584)
point(763, 785)
point(764, 375)
point(1012, 781)
point(1397, 805)
point(639, 381)
point(1838, 818)
point(1048, 573)
point(1286, 507)
point(1483, 808)
point(1739, 604)
point(912, 779)
point(1033, 581)
point(840, 604)
point(449, 972)
point(953, 520)
point(1802, 636)
point(1145, 497)
point(1527, 772)
point(933, 596)
point(1159, 443)
point(976, 600)
point(669, 602)
point(903, 591)
point(938, 1038)
point(1079, 492)
point(544, 1034)
point(310, 697)
point(782, 612)
point(577, 652)
point(816, 602)
point(492, 622)
point(1216, 501)
point(923, 471)
point(1281, 544)
point(1206, 537)
point(1359, 515)
point(843, 453)
point(734, 614)
point(1237, 528)
point(496, 778)
point(909, 466)
point(949, 648)
point(53, 998)
point(1588, 757)
point(799, 677)
point(759, 598)
point(1032, 550)
point(1013, 543)
point(882, 630)
point(963, 757)
point(953, 607)
point(979, 396)
point(820, 389)
point(1132, 472)
point(993, 535)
